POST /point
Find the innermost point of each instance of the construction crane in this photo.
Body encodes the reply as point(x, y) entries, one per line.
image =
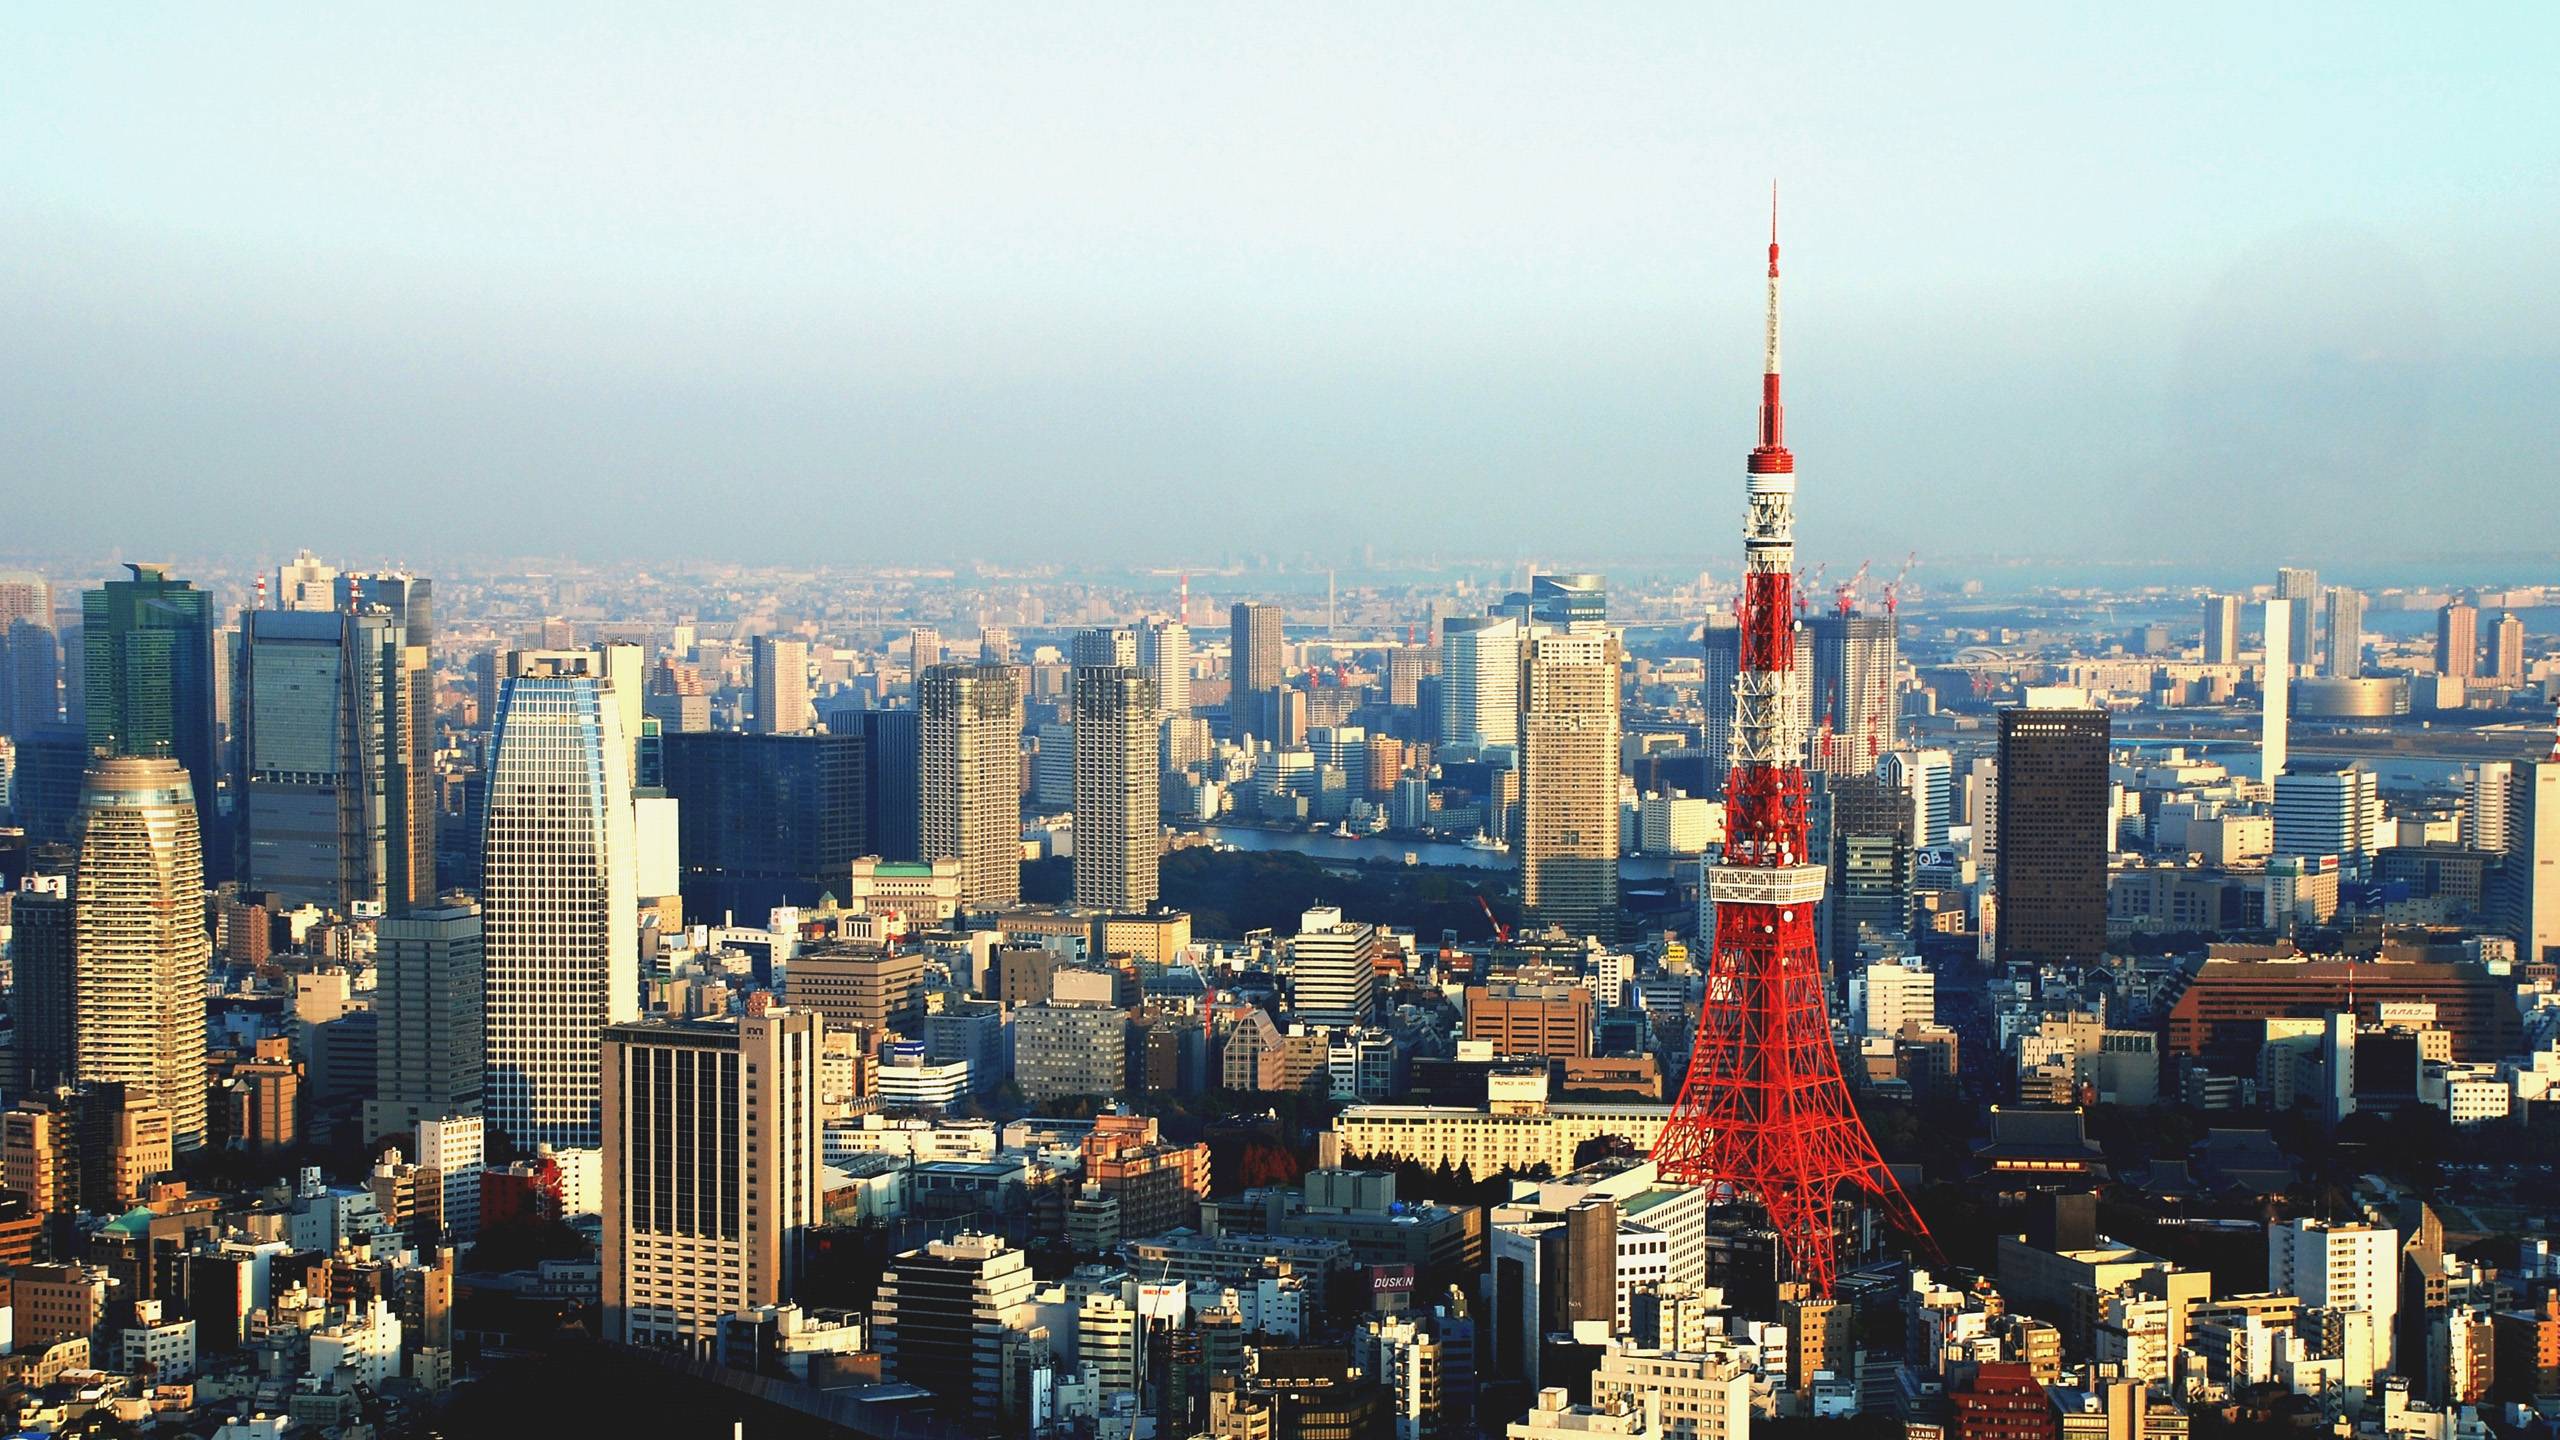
point(1847, 590)
point(1893, 587)
point(1501, 932)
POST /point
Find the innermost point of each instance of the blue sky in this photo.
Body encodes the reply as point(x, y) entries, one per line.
point(1167, 283)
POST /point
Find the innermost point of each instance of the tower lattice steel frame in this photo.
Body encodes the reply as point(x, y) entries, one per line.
point(1764, 1113)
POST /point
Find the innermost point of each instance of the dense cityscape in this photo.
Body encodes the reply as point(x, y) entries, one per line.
point(980, 1004)
point(993, 723)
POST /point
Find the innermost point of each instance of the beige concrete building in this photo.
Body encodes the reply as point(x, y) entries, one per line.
point(711, 1175)
point(1119, 832)
point(1694, 1396)
point(969, 781)
point(141, 952)
point(1568, 843)
point(781, 698)
point(1518, 1130)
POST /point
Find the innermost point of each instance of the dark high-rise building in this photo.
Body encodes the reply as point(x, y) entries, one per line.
point(888, 777)
point(1873, 864)
point(1256, 662)
point(336, 745)
point(148, 683)
point(30, 676)
point(40, 916)
point(2053, 822)
point(30, 655)
point(409, 727)
point(45, 798)
point(764, 820)
point(429, 996)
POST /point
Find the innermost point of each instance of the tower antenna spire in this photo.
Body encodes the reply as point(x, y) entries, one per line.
point(1773, 416)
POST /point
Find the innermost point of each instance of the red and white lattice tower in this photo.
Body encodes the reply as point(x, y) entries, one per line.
point(1764, 1114)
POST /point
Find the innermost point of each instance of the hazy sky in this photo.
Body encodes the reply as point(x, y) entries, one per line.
point(1175, 282)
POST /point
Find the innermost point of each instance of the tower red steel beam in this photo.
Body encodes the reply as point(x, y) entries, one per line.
point(1764, 1113)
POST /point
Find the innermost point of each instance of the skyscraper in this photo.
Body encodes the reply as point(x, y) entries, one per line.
point(337, 802)
point(1256, 661)
point(560, 896)
point(2222, 629)
point(889, 777)
point(710, 1172)
point(1873, 868)
point(2458, 640)
point(41, 967)
point(969, 778)
point(2054, 826)
point(1853, 691)
point(1164, 652)
point(1403, 669)
point(2330, 810)
point(2300, 590)
point(429, 995)
point(1479, 681)
point(2485, 791)
point(306, 585)
point(24, 595)
point(140, 950)
point(781, 699)
point(2506, 649)
point(765, 820)
point(2527, 899)
point(1568, 844)
point(2275, 698)
point(148, 682)
point(2345, 648)
point(924, 651)
point(409, 727)
point(30, 656)
point(1928, 777)
point(1119, 834)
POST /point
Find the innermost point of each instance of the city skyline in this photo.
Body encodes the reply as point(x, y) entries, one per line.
point(973, 721)
point(1358, 271)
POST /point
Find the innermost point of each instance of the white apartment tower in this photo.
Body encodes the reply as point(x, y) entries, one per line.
point(2338, 1267)
point(711, 1175)
point(1333, 969)
point(2485, 789)
point(1479, 681)
point(2276, 690)
point(1164, 652)
point(559, 897)
point(969, 778)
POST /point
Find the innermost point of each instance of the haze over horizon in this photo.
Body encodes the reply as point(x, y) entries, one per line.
point(929, 284)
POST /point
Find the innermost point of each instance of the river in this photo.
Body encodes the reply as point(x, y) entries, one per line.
point(1325, 845)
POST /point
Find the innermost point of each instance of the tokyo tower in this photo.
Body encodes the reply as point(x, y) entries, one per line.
point(1764, 1113)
